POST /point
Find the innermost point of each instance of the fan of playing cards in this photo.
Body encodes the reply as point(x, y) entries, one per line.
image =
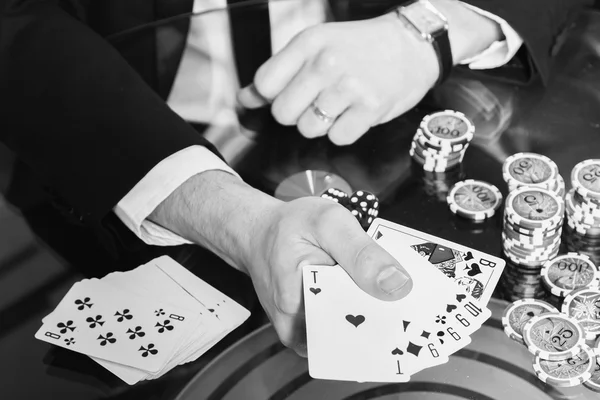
point(355, 337)
point(142, 323)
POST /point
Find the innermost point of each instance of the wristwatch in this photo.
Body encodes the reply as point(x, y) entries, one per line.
point(431, 26)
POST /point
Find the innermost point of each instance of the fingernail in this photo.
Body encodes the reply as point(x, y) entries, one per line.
point(391, 279)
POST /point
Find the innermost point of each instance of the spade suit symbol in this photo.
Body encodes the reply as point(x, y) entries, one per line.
point(474, 270)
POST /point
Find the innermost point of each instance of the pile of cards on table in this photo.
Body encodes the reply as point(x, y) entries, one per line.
point(142, 323)
point(353, 336)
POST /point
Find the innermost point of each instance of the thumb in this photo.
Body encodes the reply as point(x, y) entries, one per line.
point(372, 268)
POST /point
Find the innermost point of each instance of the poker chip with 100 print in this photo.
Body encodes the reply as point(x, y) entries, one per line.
point(531, 170)
point(584, 306)
point(582, 230)
point(568, 272)
point(441, 141)
point(585, 178)
point(566, 372)
point(553, 336)
point(517, 314)
point(473, 199)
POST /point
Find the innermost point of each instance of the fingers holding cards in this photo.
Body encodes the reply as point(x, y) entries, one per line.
point(353, 336)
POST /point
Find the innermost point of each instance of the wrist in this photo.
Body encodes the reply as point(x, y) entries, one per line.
point(218, 211)
point(470, 33)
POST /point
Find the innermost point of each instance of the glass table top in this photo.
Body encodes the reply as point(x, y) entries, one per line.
point(560, 121)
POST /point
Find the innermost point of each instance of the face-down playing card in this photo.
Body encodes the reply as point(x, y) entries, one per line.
point(476, 272)
point(98, 321)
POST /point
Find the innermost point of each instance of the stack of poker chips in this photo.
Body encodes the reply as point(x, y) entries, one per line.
point(566, 344)
point(582, 230)
point(532, 227)
point(474, 200)
point(531, 235)
point(441, 140)
point(362, 204)
point(532, 170)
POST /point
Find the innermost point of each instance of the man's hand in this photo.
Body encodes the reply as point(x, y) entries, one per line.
point(340, 79)
point(315, 231)
point(272, 241)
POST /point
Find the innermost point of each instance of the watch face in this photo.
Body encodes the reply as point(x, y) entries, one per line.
point(425, 19)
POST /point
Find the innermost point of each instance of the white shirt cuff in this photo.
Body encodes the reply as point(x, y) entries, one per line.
point(499, 53)
point(157, 185)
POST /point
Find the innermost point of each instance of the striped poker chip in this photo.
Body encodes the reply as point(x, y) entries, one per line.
point(566, 372)
point(474, 199)
point(553, 336)
point(447, 128)
point(530, 169)
point(585, 178)
point(518, 313)
point(534, 208)
point(584, 306)
point(528, 242)
point(523, 261)
point(424, 142)
point(568, 272)
point(594, 382)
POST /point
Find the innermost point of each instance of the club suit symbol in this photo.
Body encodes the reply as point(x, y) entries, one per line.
point(81, 304)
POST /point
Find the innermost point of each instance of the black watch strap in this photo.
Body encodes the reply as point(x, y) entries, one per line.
point(441, 44)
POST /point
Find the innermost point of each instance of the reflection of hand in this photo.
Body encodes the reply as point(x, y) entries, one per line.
point(273, 240)
point(359, 73)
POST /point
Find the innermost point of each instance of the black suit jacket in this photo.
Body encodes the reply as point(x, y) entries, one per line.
point(89, 117)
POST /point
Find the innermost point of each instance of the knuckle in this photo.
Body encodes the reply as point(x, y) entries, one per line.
point(310, 37)
point(372, 103)
point(349, 84)
point(281, 113)
point(330, 214)
point(308, 129)
point(326, 62)
point(340, 137)
point(260, 84)
point(365, 257)
point(287, 302)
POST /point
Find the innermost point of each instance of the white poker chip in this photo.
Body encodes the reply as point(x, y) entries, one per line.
point(447, 128)
point(474, 199)
point(530, 169)
point(517, 314)
point(585, 178)
point(553, 336)
point(569, 272)
point(584, 306)
point(594, 382)
point(534, 208)
point(568, 372)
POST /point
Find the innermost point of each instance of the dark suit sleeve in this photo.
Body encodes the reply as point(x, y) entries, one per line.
point(538, 22)
point(76, 112)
